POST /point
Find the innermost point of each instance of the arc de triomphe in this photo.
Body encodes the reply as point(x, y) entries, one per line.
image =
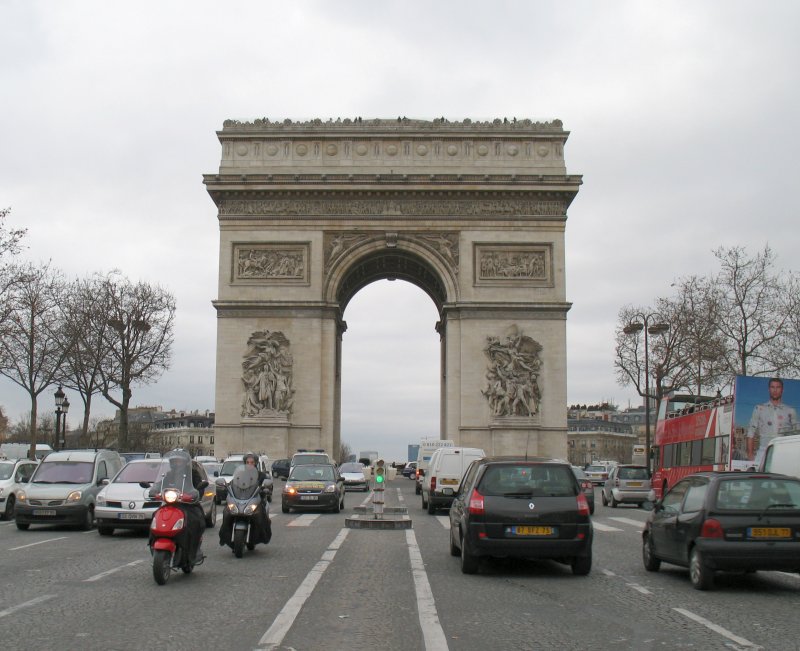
point(471, 212)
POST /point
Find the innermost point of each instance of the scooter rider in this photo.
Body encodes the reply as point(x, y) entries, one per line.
point(180, 473)
point(264, 523)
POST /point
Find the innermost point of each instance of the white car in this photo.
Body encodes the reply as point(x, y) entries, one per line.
point(14, 474)
point(354, 478)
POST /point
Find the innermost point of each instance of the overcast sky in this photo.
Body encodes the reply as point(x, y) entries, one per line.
point(683, 120)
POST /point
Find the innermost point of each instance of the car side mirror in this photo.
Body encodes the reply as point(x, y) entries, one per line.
point(104, 482)
point(145, 484)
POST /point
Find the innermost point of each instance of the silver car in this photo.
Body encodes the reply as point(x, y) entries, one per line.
point(124, 503)
point(626, 484)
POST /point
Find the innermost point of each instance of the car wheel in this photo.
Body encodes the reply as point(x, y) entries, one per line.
point(469, 562)
point(454, 550)
point(284, 508)
point(591, 507)
point(417, 490)
point(23, 526)
point(105, 531)
point(651, 562)
point(613, 502)
point(424, 502)
point(88, 522)
point(211, 519)
point(8, 514)
point(603, 498)
point(582, 565)
point(431, 507)
point(701, 575)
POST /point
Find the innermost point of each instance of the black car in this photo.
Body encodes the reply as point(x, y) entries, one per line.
point(521, 508)
point(313, 486)
point(709, 521)
point(280, 468)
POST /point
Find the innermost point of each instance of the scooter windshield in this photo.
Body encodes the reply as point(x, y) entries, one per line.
point(175, 472)
point(243, 483)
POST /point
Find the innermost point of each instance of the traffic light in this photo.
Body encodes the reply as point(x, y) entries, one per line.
point(377, 491)
point(380, 471)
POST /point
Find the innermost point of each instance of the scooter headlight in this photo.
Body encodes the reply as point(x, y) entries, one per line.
point(232, 508)
point(250, 509)
point(171, 496)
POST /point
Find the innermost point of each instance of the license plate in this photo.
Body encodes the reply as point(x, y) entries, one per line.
point(532, 531)
point(133, 516)
point(634, 484)
point(308, 498)
point(769, 532)
point(44, 512)
point(450, 481)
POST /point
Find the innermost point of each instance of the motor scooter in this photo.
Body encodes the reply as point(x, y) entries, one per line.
point(245, 522)
point(171, 528)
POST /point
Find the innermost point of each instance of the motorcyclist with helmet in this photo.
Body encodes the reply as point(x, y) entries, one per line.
point(262, 522)
point(183, 476)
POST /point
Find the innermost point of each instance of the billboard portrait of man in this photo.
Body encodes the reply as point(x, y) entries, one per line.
point(768, 420)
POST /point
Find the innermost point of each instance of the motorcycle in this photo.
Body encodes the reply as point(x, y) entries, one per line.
point(245, 522)
point(171, 528)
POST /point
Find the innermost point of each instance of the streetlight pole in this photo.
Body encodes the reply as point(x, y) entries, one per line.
point(634, 328)
point(59, 396)
point(64, 410)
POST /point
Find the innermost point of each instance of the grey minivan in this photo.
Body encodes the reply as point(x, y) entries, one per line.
point(64, 487)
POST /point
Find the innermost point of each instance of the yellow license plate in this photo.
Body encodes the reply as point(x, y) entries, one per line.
point(534, 531)
point(634, 484)
point(450, 481)
point(769, 532)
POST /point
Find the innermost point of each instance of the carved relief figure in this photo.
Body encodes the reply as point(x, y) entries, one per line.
point(512, 380)
point(513, 264)
point(338, 243)
point(270, 263)
point(267, 375)
point(447, 246)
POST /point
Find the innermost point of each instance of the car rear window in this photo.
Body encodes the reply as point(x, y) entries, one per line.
point(633, 473)
point(299, 459)
point(596, 469)
point(351, 467)
point(758, 493)
point(532, 480)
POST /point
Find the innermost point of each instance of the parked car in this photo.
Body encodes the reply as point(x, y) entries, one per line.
point(123, 503)
point(586, 486)
point(710, 521)
point(313, 486)
point(627, 484)
point(64, 486)
point(521, 508)
point(410, 470)
point(280, 468)
point(14, 475)
point(354, 478)
point(445, 470)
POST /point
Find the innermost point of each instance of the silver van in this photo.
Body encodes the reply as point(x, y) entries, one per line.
point(783, 456)
point(63, 488)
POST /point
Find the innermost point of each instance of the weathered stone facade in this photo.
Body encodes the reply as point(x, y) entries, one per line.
point(472, 212)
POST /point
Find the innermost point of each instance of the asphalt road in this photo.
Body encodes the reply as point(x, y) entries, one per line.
point(318, 585)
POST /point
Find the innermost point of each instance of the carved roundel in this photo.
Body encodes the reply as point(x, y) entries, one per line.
point(331, 150)
point(301, 150)
point(482, 150)
point(391, 150)
point(422, 149)
point(272, 149)
point(452, 150)
point(513, 150)
point(361, 149)
point(242, 149)
point(543, 150)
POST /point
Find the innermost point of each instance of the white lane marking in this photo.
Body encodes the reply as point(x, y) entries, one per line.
point(304, 520)
point(635, 523)
point(32, 602)
point(638, 588)
point(794, 576)
point(432, 632)
point(717, 629)
point(605, 527)
point(97, 577)
point(400, 497)
point(41, 542)
point(283, 622)
point(608, 572)
point(444, 520)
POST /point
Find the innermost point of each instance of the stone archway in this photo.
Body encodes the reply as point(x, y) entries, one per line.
point(472, 213)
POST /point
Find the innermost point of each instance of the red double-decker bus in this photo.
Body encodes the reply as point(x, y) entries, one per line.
point(692, 434)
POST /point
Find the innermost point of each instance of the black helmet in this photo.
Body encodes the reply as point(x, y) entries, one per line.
point(250, 455)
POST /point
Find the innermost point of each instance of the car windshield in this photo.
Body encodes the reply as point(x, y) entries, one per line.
point(6, 470)
point(230, 466)
point(351, 467)
point(758, 494)
point(596, 469)
point(312, 473)
point(64, 472)
point(633, 473)
point(133, 473)
point(528, 481)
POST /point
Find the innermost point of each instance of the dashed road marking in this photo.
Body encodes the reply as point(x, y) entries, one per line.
point(444, 520)
point(304, 520)
point(41, 542)
point(102, 575)
point(605, 527)
point(432, 632)
point(635, 523)
point(26, 604)
point(638, 588)
point(717, 629)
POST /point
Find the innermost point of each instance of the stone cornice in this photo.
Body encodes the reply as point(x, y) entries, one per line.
point(403, 181)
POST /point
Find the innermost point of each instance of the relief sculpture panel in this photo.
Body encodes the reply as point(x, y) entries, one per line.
point(512, 379)
point(267, 375)
point(510, 264)
point(270, 263)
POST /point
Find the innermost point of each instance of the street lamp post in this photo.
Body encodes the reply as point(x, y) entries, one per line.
point(634, 328)
point(62, 407)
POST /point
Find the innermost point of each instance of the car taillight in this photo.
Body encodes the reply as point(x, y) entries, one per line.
point(712, 529)
point(476, 503)
point(433, 483)
point(586, 485)
point(583, 504)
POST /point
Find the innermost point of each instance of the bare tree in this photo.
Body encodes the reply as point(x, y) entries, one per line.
point(139, 340)
point(344, 452)
point(10, 238)
point(32, 342)
point(755, 312)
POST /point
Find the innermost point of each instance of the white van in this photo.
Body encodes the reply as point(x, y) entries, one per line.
point(783, 456)
point(447, 467)
point(426, 449)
